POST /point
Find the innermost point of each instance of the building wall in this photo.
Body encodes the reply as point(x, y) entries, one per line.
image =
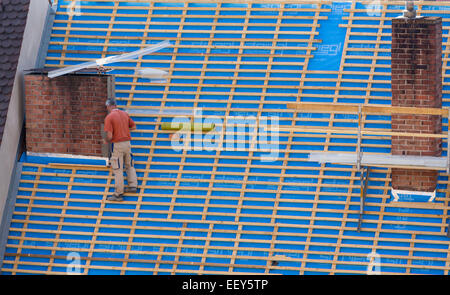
point(64, 115)
point(30, 47)
point(416, 79)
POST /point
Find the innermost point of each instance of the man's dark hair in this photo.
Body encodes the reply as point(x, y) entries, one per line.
point(110, 102)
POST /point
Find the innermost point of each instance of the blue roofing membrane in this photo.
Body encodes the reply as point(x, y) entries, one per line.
point(231, 210)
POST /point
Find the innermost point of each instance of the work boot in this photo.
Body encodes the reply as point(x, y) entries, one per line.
point(130, 190)
point(115, 198)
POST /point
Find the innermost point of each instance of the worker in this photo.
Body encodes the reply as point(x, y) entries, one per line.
point(117, 127)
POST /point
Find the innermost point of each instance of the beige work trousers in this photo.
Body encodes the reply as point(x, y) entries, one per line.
point(121, 158)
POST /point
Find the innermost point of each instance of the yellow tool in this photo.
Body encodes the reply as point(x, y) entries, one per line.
point(204, 127)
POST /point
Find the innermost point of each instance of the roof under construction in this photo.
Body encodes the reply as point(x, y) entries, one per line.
point(247, 207)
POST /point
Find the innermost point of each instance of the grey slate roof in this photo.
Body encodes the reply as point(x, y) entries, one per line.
point(13, 17)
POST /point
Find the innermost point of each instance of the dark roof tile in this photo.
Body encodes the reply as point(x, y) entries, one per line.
point(13, 15)
point(3, 106)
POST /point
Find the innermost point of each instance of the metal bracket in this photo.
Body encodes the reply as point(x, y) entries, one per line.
point(448, 141)
point(364, 180)
point(448, 163)
point(448, 229)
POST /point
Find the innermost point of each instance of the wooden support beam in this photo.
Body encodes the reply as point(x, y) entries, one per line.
point(366, 109)
point(349, 130)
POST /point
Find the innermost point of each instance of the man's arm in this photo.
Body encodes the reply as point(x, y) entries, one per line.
point(131, 124)
point(108, 131)
point(108, 138)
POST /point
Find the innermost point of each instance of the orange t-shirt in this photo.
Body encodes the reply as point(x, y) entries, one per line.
point(119, 123)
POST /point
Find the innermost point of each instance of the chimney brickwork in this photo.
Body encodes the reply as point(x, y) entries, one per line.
point(64, 115)
point(416, 79)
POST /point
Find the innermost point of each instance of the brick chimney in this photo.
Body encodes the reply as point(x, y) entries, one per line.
point(416, 61)
point(64, 115)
